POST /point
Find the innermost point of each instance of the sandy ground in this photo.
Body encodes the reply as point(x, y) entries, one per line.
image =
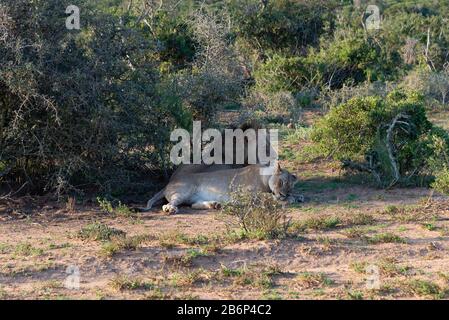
point(39, 245)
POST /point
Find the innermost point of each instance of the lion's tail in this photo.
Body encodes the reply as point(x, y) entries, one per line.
point(158, 196)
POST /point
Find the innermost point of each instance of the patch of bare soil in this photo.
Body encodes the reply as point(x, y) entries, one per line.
point(347, 242)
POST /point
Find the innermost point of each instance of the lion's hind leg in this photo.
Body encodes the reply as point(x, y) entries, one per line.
point(174, 201)
point(204, 205)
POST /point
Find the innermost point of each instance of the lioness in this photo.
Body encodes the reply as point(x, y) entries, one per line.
point(187, 169)
point(207, 190)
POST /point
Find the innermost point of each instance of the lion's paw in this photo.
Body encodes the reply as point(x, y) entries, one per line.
point(292, 199)
point(216, 205)
point(170, 209)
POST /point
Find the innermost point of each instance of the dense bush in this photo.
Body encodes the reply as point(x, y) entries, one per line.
point(285, 26)
point(280, 73)
point(328, 98)
point(390, 138)
point(78, 107)
point(433, 84)
point(441, 183)
point(341, 61)
point(348, 60)
point(439, 162)
point(176, 41)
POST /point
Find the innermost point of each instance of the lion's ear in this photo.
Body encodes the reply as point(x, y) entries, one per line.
point(277, 168)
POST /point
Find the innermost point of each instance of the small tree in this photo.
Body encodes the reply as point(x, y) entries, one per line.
point(438, 85)
point(216, 76)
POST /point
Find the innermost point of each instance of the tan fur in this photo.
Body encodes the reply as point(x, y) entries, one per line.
point(207, 190)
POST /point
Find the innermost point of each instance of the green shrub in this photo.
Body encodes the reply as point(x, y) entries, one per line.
point(280, 73)
point(99, 232)
point(390, 138)
point(441, 183)
point(79, 107)
point(281, 107)
point(349, 129)
point(282, 25)
point(176, 41)
point(343, 61)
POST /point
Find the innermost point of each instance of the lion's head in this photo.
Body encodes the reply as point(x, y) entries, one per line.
point(281, 182)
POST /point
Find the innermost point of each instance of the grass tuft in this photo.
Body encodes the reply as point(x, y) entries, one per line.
point(99, 232)
point(313, 280)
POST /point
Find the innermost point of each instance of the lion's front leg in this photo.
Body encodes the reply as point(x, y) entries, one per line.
point(204, 205)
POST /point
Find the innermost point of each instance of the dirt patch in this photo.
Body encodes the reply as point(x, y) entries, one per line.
point(185, 256)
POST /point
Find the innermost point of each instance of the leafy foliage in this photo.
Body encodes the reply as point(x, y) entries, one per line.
point(78, 106)
point(393, 136)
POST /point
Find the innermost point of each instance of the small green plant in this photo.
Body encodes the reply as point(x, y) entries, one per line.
point(316, 223)
point(243, 276)
point(390, 268)
point(391, 209)
point(178, 261)
point(171, 239)
point(26, 249)
point(264, 281)
point(327, 241)
point(359, 267)
point(123, 211)
point(99, 232)
point(387, 237)
point(354, 295)
point(258, 214)
point(230, 272)
point(157, 294)
point(444, 276)
point(120, 243)
point(314, 280)
point(423, 288)
point(110, 248)
point(127, 283)
point(429, 226)
point(272, 295)
point(360, 219)
point(105, 205)
point(188, 279)
point(441, 183)
point(4, 248)
point(120, 210)
point(3, 294)
point(195, 253)
point(407, 213)
point(355, 233)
